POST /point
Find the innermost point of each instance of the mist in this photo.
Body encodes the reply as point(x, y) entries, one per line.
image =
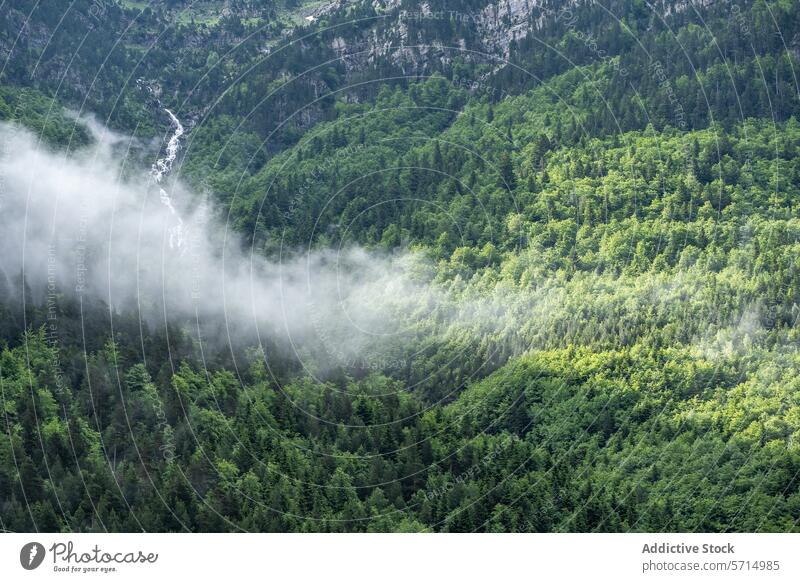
point(72, 225)
point(93, 224)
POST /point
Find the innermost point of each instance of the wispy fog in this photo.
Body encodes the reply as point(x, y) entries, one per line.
point(71, 225)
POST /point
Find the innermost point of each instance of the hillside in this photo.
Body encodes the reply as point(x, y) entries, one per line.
point(524, 266)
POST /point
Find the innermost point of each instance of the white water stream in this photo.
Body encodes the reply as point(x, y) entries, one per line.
point(160, 169)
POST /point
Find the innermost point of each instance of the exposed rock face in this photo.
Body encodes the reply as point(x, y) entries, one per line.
point(407, 34)
point(504, 22)
point(408, 40)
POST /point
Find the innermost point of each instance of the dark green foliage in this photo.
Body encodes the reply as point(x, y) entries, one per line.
point(624, 220)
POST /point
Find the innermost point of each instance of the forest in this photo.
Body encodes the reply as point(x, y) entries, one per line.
point(556, 294)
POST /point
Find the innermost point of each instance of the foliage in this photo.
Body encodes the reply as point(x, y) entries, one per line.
point(613, 243)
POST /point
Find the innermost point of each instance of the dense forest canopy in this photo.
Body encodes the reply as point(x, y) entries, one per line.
point(507, 267)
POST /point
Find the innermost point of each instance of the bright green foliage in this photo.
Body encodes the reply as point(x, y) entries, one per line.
point(615, 343)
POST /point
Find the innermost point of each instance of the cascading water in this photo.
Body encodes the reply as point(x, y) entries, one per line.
point(160, 169)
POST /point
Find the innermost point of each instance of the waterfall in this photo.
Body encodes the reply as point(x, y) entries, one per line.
point(160, 169)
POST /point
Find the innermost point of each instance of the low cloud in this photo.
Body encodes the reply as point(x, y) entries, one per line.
point(72, 222)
